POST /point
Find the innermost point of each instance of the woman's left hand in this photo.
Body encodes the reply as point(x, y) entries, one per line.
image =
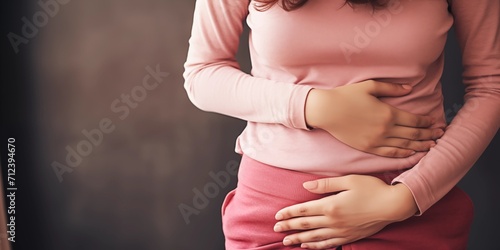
point(361, 207)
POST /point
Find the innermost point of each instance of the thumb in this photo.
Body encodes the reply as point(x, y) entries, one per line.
point(327, 185)
point(379, 89)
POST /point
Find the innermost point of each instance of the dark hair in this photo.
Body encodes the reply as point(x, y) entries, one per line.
point(290, 5)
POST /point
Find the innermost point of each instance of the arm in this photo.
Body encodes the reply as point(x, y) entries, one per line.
point(477, 24)
point(214, 81)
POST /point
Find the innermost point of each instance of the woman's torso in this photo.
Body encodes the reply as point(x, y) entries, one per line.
point(326, 44)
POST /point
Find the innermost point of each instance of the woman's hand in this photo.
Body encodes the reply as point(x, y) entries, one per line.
point(355, 116)
point(362, 206)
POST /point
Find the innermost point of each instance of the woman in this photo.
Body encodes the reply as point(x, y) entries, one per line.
point(347, 90)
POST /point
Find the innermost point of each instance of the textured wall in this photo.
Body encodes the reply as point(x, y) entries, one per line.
point(90, 64)
point(157, 150)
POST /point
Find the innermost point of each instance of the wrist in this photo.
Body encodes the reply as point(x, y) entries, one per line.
point(404, 205)
point(314, 112)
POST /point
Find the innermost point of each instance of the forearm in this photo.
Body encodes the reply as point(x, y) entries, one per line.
point(226, 90)
point(214, 82)
point(464, 141)
point(479, 119)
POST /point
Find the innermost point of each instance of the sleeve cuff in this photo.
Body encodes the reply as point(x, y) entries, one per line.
point(297, 107)
point(418, 188)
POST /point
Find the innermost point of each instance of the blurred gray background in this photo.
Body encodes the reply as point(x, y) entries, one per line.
point(125, 194)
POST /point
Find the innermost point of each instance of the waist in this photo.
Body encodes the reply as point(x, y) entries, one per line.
point(280, 182)
point(315, 152)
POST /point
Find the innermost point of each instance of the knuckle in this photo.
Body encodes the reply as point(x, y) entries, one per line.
point(425, 121)
point(347, 179)
point(419, 146)
point(305, 224)
point(351, 179)
point(331, 210)
point(416, 134)
point(417, 121)
point(323, 184)
point(288, 213)
point(380, 131)
point(302, 210)
point(392, 152)
point(386, 115)
point(426, 134)
point(373, 84)
point(435, 133)
point(326, 184)
point(294, 240)
point(317, 238)
point(406, 143)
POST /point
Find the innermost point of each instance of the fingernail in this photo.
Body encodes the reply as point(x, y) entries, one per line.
point(406, 86)
point(278, 228)
point(278, 216)
point(412, 152)
point(304, 245)
point(433, 144)
point(287, 242)
point(310, 185)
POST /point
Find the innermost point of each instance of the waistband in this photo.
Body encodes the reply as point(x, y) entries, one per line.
point(279, 181)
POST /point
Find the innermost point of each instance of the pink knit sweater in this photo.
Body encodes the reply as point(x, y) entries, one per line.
point(326, 44)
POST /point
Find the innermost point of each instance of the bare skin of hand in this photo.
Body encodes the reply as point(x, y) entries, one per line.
point(355, 116)
point(363, 206)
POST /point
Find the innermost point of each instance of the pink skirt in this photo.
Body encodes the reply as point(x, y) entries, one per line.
point(248, 214)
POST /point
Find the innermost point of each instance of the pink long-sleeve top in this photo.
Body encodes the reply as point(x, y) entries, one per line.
point(326, 44)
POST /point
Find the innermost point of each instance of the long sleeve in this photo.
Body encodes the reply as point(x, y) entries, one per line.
point(465, 139)
point(214, 81)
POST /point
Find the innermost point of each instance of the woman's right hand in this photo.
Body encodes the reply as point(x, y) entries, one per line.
point(355, 116)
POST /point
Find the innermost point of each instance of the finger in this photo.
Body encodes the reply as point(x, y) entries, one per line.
point(419, 146)
point(313, 236)
point(392, 152)
point(380, 89)
point(301, 223)
point(407, 119)
point(327, 185)
point(310, 208)
point(416, 134)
